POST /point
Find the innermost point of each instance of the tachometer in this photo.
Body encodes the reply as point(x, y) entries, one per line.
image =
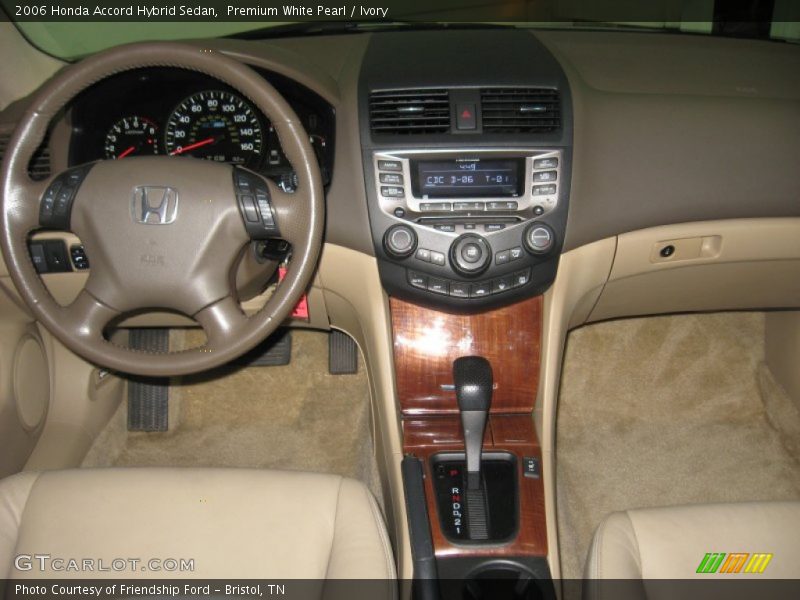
point(132, 135)
point(215, 125)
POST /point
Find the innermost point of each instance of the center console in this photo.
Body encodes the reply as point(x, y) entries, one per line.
point(467, 151)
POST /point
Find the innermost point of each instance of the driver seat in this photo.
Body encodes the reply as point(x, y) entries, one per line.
point(233, 523)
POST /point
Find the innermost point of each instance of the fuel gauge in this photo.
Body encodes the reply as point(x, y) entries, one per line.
point(131, 136)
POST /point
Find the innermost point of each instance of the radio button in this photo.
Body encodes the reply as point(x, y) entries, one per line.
point(545, 163)
point(434, 206)
point(544, 190)
point(448, 227)
point(390, 165)
point(469, 226)
point(459, 290)
point(545, 176)
point(538, 210)
point(494, 227)
point(502, 205)
point(392, 178)
point(469, 206)
point(390, 191)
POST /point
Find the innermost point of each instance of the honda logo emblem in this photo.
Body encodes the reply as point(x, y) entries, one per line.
point(154, 205)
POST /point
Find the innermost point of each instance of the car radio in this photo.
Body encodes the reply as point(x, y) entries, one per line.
point(468, 228)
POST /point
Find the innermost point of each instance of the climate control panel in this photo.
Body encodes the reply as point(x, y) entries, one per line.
point(468, 229)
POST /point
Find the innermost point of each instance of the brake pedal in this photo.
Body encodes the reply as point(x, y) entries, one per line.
point(275, 351)
point(148, 397)
point(342, 354)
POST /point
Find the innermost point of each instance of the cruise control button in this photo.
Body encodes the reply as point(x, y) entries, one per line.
point(522, 277)
point(392, 178)
point(390, 165)
point(479, 290)
point(459, 290)
point(437, 286)
point(544, 190)
point(502, 258)
point(545, 163)
point(424, 254)
point(418, 280)
point(545, 176)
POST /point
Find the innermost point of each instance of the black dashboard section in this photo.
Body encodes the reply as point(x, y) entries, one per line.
point(467, 150)
point(175, 111)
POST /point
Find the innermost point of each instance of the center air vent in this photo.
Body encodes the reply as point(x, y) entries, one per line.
point(520, 110)
point(409, 112)
point(39, 167)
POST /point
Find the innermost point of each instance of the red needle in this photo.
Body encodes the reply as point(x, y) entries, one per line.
point(204, 142)
point(128, 151)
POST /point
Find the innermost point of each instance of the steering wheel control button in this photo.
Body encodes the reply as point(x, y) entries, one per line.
point(55, 206)
point(400, 241)
point(470, 254)
point(539, 238)
point(78, 256)
point(255, 205)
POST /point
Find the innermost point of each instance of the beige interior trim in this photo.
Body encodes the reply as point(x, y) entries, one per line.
point(782, 346)
point(581, 275)
point(16, 82)
point(716, 265)
point(358, 306)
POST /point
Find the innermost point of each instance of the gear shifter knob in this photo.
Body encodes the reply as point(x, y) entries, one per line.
point(472, 376)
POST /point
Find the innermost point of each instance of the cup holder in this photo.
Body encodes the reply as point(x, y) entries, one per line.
point(504, 580)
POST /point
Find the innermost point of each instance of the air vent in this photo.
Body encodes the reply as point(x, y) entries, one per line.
point(39, 167)
point(409, 112)
point(520, 110)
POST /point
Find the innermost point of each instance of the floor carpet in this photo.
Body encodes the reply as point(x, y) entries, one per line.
point(296, 417)
point(668, 410)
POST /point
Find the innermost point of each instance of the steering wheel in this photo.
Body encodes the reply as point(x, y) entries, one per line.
point(161, 232)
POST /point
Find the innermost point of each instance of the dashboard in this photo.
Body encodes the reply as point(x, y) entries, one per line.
point(163, 111)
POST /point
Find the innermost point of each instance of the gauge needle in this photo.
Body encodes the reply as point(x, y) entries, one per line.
point(204, 142)
point(126, 152)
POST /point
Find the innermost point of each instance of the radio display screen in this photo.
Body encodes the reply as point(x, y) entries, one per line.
point(475, 178)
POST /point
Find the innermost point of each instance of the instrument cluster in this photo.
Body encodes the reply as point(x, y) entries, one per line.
point(174, 112)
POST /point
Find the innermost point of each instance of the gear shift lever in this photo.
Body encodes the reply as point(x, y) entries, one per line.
point(472, 376)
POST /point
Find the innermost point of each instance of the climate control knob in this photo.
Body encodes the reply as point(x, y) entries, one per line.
point(539, 238)
point(470, 255)
point(400, 241)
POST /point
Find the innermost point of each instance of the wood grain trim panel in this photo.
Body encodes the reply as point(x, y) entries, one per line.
point(426, 342)
point(424, 437)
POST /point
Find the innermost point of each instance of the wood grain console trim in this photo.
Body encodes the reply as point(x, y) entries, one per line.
point(426, 342)
point(424, 437)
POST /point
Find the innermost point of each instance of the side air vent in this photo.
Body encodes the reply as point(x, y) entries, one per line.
point(520, 110)
point(409, 112)
point(39, 168)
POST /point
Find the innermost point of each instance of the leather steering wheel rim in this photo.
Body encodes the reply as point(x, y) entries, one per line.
point(300, 217)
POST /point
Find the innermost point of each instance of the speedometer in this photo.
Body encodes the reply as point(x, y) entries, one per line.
point(215, 125)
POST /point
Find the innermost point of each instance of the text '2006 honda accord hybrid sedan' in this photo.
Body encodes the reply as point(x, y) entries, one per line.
point(400, 309)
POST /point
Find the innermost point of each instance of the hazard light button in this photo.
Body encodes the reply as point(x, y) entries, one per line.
point(465, 117)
